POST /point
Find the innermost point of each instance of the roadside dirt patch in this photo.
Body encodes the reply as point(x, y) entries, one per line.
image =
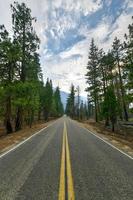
point(120, 141)
point(7, 141)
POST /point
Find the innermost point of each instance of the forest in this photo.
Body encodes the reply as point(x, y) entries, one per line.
point(24, 97)
point(109, 81)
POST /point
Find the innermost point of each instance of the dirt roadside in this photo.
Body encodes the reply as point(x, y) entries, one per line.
point(119, 141)
point(8, 141)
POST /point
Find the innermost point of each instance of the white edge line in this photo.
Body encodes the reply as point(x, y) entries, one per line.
point(107, 142)
point(16, 146)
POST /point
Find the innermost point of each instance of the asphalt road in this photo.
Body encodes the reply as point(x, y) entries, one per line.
point(89, 169)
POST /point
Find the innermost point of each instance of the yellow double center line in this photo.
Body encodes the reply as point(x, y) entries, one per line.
point(66, 188)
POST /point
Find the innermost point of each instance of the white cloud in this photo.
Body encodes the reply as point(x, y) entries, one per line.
point(118, 29)
point(85, 5)
point(70, 70)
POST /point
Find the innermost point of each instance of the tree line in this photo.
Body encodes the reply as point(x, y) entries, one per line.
point(109, 84)
point(110, 80)
point(24, 97)
point(76, 108)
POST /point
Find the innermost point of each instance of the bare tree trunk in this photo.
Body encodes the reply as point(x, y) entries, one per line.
point(31, 118)
point(107, 122)
point(96, 114)
point(39, 114)
point(118, 97)
point(113, 127)
point(8, 124)
point(123, 94)
point(45, 115)
point(18, 122)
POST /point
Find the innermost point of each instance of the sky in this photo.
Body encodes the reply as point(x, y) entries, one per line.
point(66, 27)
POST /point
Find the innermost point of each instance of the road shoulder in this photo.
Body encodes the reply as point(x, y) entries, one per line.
point(113, 139)
point(8, 142)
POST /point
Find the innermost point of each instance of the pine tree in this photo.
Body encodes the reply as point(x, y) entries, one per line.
point(90, 107)
point(70, 106)
point(58, 103)
point(81, 110)
point(128, 62)
point(77, 102)
point(28, 41)
point(25, 35)
point(93, 77)
point(117, 47)
point(48, 99)
point(9, 54)
point(110, 106)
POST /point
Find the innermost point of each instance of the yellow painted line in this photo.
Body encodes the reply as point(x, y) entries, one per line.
point(62, 173)
point(70, 185)
point(65, 159)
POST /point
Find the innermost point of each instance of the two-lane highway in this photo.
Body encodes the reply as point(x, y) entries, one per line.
point(65, 161)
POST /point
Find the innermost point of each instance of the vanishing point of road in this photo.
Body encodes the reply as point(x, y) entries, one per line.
point(65, 162)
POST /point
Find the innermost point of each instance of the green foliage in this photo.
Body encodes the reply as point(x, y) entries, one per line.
point(83, 111)
point(23, 95)
point(117, 53)
point(128, 62)
point(26, 37)
point(110, 80)
point(92, 76)
point(26, 95)
point(70, 107)
point(9, 54)
point(93, 72)
point(58, 104)
point(110, 105)
point(48, 98)
point(2, 101)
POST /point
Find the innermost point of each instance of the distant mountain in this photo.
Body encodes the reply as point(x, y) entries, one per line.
point(64, 96)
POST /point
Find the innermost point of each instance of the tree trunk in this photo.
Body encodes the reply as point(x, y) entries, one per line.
point(125, 111)
point(89, 111)
point(7, 120)
point(104, 81)
point(31, 118)
point(123, 94)
point(8, 124)
point(113, 127)
point(118, 97)
point(23, 70)
point(39, 114)
point(18, 122)
point(45, 114)
point(107, 122)
point(96, 115)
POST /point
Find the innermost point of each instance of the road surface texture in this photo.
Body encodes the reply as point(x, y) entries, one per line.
point(65, 162)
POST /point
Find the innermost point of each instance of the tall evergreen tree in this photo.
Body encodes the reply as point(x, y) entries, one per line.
point(128, 62)
point(70, 106)
point(93, 76)
point(78, 102)
point(58, 104)
point(9, 55)
point(28, 41)
point(117, 47)
point(25, 35)
point(110, 106)
point(48, 99)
